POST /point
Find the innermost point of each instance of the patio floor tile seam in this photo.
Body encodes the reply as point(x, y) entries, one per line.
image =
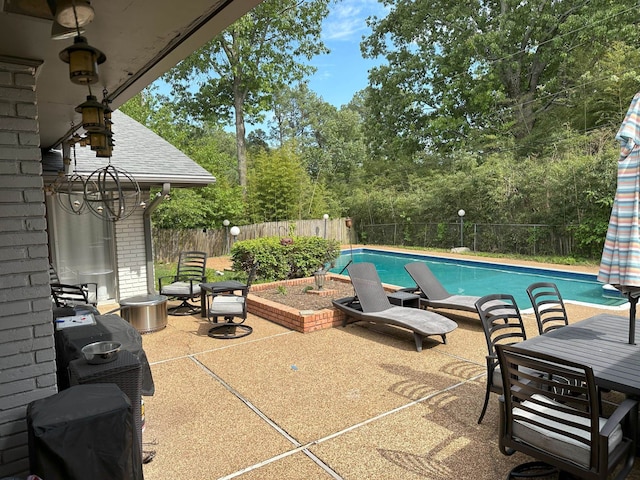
point(224, 347)
point(299, 447)
point(303, 448)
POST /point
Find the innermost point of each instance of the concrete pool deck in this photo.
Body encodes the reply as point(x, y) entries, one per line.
point(344, 403)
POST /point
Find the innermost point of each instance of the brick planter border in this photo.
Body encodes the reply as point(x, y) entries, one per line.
point(291, 317)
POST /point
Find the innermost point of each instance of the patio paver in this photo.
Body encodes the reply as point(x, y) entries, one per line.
point(350, 403)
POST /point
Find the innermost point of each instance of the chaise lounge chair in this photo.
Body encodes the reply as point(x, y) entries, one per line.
point(371, 304)
point(433, 294)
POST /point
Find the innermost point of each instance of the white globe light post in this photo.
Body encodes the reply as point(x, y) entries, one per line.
point(461, 214)
point(325, 217)
point(234, 231)
point(226, 222)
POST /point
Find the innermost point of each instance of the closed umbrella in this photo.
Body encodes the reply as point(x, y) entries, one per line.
point(620, 264)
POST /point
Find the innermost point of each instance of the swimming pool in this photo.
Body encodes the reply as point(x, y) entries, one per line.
point(469, 277)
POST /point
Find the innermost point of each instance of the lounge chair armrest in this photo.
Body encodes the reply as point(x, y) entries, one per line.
point(625, 408)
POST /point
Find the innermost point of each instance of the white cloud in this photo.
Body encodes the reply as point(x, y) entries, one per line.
point(347, 19)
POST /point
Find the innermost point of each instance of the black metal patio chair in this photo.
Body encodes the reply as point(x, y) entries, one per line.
point(185, 284)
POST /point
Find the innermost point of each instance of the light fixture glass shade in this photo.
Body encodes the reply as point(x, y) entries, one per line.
point(92, 114)
point(105, 152)
point(66, 17)
point(98, 140)
point(319, 278)
point(83, 61)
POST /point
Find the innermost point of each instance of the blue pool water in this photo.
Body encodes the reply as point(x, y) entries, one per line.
point(468, 277)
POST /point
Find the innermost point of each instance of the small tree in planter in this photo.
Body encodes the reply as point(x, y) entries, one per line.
point(277, 260)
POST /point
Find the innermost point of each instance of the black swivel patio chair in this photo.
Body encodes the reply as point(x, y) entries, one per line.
point(230, 306)
point(543, 419)
point(502, 324)
point(185, 284)
point(548, 306)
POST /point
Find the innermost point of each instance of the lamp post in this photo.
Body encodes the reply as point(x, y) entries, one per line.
point(226, 222)
point(234, 231)
point(348, 223)
point(325, 218)
point(461, 213)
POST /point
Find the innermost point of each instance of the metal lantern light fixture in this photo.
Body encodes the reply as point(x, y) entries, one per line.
point(92, 114)
point(83, 60)
point(111, 193)
point(319, 278)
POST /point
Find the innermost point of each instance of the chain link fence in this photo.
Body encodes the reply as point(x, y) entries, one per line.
point(524, 239)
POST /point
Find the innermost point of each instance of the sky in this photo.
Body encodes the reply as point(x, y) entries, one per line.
point(343, 72)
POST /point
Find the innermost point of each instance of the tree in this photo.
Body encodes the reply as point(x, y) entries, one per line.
point(329, 141)
point(240, 69)
point(278, 186)
point(458, 72)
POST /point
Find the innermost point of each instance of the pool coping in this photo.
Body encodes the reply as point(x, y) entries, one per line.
point(510, 267)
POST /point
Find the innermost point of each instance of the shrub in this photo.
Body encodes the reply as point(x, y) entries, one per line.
point(278, 260)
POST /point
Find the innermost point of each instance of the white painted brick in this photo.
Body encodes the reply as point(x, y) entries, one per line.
point(24, 80)
point(27, 110)
point(6, 78)
point(8, 138)
point(17, 95)
point(49, 380)
point(30, 139)
point(7, 108)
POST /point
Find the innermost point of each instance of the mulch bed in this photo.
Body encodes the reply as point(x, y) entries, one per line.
point(296, 296)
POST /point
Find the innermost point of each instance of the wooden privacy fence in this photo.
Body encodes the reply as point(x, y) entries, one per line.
point(167, 244)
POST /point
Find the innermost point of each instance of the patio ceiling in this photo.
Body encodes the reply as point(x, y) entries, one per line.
point(141, 39)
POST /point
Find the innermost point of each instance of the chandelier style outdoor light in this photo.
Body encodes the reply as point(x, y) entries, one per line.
point(111, 193)
point(69, 189)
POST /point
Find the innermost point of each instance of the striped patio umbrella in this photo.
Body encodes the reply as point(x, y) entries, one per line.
point(620, 264)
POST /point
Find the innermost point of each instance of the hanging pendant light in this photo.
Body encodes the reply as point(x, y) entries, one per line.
point(99, 140)
point(107, 151)
point(83, 60)
point(92, 114)
point(111, 193)
point(72, 13)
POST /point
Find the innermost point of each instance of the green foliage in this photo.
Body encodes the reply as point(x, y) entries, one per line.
point(278, 186)
point(458, 75)
point(279, 261)
point(238, 70)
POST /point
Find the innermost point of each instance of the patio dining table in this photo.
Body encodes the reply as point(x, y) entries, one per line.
point(601, 342)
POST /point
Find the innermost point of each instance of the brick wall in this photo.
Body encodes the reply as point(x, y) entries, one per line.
point(130, 255)
point(27, 354)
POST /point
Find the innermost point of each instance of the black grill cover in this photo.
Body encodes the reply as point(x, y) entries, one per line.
point(84, 432)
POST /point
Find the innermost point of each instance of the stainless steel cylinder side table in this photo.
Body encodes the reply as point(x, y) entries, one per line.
point(146, 313)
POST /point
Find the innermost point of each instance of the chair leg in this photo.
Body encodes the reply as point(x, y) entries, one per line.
point(418, 339)
point(486, 404)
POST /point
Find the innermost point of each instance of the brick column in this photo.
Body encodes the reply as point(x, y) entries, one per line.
point(130, 255)
point(27, 353)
